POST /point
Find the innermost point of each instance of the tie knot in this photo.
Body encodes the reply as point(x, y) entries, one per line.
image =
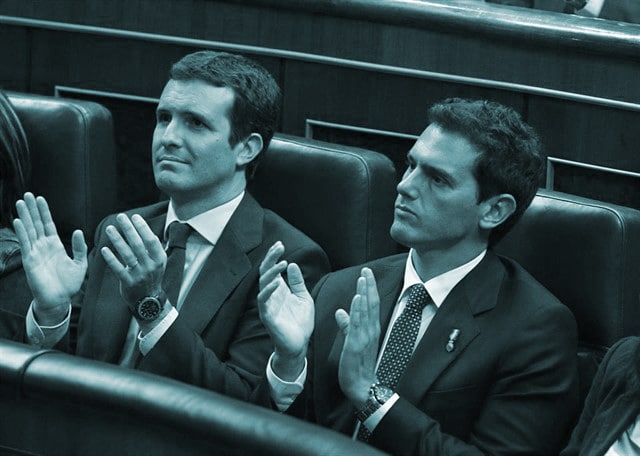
point(178, 233)
point(418, 297)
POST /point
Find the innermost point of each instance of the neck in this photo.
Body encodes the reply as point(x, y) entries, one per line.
point(186, 208)
point(431, 263)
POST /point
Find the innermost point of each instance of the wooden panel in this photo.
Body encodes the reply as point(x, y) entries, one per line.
point(376, 65)
point(14, 54)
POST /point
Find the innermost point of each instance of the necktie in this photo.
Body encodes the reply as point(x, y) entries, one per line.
point(177, 234)
point(401, 341)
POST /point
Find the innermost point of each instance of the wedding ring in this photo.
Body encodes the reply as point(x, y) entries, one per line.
point(133, 266)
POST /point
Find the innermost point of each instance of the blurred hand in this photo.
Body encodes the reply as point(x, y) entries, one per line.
point(287, 311)
point(52, 275)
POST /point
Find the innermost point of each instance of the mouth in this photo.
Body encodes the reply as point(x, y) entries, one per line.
point(402, 209)
point(169, 159)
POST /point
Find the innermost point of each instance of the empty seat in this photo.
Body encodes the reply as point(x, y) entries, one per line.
point(342, 197)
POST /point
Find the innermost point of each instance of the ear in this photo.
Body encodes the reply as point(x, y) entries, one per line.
point(249, 149)
point(496, 209)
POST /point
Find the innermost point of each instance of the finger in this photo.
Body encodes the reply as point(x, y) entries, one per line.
point(34, 212)
point(373, 298)
point(296, 280)
point(265, 294)
point(362, 304)
point(272, 274)
point(355, 312)
point(79, 247)
point(132, 237)
point(342, 319)
point(121, 246)
point(25, 217)
point(271, 258)
point(151, 242)
point(23, 237)
point(114, 264)
point(45, 214)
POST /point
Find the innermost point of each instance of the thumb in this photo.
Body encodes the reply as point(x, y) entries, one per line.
point(296, 280)
point(79, 247)
point(342, 319)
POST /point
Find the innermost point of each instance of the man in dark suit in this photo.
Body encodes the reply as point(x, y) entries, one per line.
point(449, 349)
point(184, 306)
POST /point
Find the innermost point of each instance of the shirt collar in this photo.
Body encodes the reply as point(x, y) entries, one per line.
point(439, 286)
point(209, 224)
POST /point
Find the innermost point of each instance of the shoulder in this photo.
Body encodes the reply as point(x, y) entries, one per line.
point(519, 283)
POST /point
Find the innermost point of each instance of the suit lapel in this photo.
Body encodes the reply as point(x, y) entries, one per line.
point(475, 294)
point(227, 265)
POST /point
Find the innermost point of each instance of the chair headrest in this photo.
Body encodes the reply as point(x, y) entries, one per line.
point(587, 253)
point(73, 158)
point(342, 197)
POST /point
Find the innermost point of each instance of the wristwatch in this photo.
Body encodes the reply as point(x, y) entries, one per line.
point(378, 395)
point(149, 307)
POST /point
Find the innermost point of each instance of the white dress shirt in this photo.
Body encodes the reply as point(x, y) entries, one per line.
point(284, 393)
point(628, 444)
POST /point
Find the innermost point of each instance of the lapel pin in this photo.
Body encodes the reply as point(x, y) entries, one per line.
point(452, 339)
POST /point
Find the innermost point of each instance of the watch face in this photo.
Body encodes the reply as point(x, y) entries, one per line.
point(149, 308)
point(382, 393)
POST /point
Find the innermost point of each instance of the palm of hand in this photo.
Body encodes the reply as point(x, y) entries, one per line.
point(51, 273)
point(290, 318)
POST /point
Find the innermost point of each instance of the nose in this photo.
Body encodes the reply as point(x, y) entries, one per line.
point(170, 134)
point(406, 186)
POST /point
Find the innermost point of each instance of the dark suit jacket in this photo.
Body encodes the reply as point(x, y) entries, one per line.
point(621, 10)
point(509, 387)
point(218, 341)
point(613, 403)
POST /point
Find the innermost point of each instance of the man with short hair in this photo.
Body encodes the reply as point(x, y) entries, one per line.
point(171, 288)
point(449, 349)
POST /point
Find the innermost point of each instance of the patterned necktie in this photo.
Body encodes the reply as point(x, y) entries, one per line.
point(401, 341)
point(172, 280)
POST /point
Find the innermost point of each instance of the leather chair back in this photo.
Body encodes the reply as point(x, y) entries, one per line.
point(73, 157)
point(587, 253)
point(55, 403)
point(342, 197)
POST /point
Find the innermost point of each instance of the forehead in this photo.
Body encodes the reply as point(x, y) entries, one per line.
point(444, 149)
point(197, 97)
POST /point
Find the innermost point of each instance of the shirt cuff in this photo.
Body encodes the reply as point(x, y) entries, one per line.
point(593, 7)
point(283, 393)
point(149, 340)
point(377, 416)
point(45, 336)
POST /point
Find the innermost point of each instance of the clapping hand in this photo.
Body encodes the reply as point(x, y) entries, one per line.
point(287, 311)
point(52, 275)
point(361, 327)
point(140, 261)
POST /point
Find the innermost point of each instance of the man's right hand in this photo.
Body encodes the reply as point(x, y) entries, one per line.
point(52, 275)
point(287, 311)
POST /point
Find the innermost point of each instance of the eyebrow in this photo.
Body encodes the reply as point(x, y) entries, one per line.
point(430, 169)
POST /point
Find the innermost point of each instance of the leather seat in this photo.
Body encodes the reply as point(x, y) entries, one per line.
point(587, 253)
point(73, 157)
point(342, 197)
point(55, 403)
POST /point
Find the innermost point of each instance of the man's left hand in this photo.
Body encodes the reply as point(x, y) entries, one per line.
point(361, 327)
point(140, 260)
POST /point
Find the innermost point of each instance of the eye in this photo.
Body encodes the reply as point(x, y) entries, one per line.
point(409, 163)
point(162, 117)
point(195, 123)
